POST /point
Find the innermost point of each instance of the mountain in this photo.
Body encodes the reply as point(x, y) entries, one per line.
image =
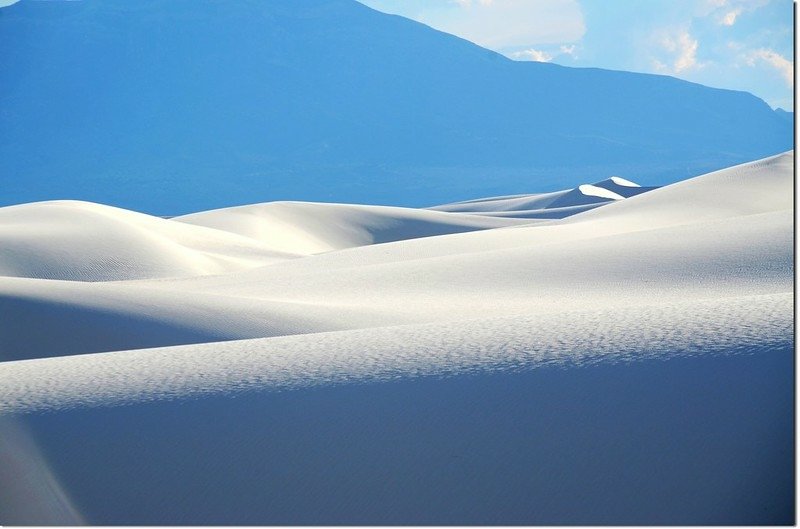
point(172, 107)
point(786, 115)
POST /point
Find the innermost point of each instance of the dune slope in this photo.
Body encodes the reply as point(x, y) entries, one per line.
point(310, 228)
point(720, 235)
point(628, 364)
point(83, 241)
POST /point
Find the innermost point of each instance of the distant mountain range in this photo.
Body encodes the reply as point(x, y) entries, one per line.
point(173, 107)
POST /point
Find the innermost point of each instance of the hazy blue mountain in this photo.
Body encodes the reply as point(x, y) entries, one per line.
point(170, 107)
point(785, 114)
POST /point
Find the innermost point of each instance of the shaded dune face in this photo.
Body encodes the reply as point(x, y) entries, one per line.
point(502, 448)
point(302, 363)
point(623, 187)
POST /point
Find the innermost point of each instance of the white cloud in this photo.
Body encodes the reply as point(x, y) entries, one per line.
point(505, 26)
point(729, 18)
point(568, 50)
point(533, 55)
point(734, 46)
point(727, 12)
point(704, 8)
point(660, 66)
point(687, 58)
point(683, 48)
point(545, 54)
point(501, 24)
point(784, 66)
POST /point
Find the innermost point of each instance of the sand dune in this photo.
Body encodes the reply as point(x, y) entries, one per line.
point(82, 241)
point(91, 242)
point(720, 235)
point(498, 343)
point(557, 204)
point(90, 317)
point(622, 187)
point(309, 228)
point(496, 359)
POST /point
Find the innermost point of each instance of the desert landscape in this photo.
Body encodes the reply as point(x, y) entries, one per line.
point(255, 307)
point(397, 262)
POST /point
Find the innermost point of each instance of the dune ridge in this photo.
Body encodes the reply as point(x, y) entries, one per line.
point(717, 236)
point(762, 323)
point(82, 241)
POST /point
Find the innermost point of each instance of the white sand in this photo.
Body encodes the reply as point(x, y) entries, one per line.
point(627, 364)
point(722, 240)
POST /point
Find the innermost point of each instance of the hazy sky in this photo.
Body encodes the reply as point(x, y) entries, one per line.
point(737, 44)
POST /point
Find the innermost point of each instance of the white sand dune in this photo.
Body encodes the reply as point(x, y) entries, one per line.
point(542, 213)
point(721, 235)
point(90, 317)
point(310, 228)
point(498, 343)
point(91, 242)
point(554, 205)
point(279, 300)
point(622, 187)
point(585, 194)
point(492, 359)
point(82, 241)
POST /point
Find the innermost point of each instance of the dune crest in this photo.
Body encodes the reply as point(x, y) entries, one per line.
point(280, 269)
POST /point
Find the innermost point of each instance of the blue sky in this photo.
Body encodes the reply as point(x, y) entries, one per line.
point(737, 44)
